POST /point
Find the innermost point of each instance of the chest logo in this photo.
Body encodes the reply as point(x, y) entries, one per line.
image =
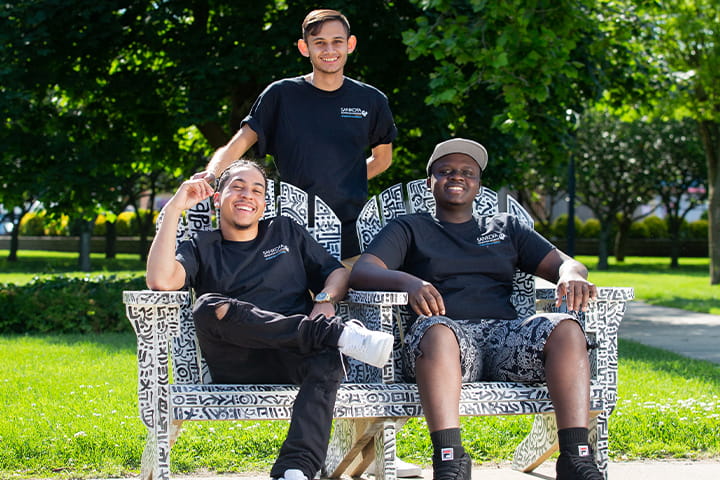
point(352, 112)
point(275, 252)
point(490, 239)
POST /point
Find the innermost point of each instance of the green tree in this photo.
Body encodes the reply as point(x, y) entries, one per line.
point(21, 173)
point(682, 167)
point(109, 119)
point(682, 61)
point(614, 178)
point(538, 60)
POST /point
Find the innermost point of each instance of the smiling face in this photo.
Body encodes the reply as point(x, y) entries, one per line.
point(328, 47)
point(242, 203)
point(454, 182)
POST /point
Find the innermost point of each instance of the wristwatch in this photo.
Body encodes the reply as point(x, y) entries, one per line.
point(323, 297)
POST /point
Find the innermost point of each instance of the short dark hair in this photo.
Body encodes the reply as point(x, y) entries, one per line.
point(315, 19)
point(225, 176)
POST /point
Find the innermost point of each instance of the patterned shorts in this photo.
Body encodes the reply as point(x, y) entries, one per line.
point(496, 350)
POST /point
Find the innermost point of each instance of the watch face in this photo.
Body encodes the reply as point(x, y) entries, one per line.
point(322, 297)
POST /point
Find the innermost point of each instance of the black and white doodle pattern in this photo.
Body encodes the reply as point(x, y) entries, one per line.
point(368, 224)
point(392, 203)
point(294, 203)
point(371, 399)
point(326, 228)
point(270, 201)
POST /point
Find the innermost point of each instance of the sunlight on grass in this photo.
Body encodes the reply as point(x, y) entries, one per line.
point(69, 402)
point(68, 409)
point(668, 405)
point(655, 283)
point(32, 263)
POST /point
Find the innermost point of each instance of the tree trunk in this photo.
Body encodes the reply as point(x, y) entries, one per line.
point(714, 234)
point(15, 236)
point(603, 250)
point(710, 134)
point(110, 239)
point(674, 223)
point(85, 236)
point(14, 242)
point(621, 238)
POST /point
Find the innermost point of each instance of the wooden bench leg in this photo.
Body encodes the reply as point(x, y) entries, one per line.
point(153, 324)
point(600, 441)
point(540, 443)
point(386, 452)
point(156, 456)
point(357, 442)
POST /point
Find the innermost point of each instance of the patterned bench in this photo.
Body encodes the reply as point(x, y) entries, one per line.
point(372, 400)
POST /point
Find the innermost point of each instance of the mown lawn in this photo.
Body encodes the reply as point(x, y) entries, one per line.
point(68, 406)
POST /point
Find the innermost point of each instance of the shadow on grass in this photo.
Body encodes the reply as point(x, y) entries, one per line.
point(699, 305)
point(687, 266)
point(103, 342)
point(665, 361)
point(655, 268)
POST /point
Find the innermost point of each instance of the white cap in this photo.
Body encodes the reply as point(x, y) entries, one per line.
point(459, 145)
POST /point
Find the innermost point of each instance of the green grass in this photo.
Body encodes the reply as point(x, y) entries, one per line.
point(68, 409)
point(668, 405)
point(34, 263)
point(687, 287)
point(68, 406)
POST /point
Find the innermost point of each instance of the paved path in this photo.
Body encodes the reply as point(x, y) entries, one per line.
point(665, 470)
point(694, 335)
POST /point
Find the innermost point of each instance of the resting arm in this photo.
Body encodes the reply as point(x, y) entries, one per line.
point(571, 278)
point(163, 271)
point(380, 160)
point(371, 273)
point(336, 284)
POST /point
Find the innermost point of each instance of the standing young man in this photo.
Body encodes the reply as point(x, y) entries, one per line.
point(256, 321)
point(458, 271)
point(318, 126)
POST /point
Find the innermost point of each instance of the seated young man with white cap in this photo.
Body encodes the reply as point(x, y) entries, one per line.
point(458, 270)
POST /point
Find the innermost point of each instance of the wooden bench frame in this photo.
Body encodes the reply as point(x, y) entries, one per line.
point(366, 411)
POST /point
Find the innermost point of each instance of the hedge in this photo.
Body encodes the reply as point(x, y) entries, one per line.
point(62, 304)
point(36, 224)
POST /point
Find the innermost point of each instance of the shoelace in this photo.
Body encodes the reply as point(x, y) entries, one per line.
point(342, 362)
point(585, 467)
point(449, 470)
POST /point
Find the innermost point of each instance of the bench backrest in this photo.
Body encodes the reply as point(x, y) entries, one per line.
point(391, 203)
point(188, 364)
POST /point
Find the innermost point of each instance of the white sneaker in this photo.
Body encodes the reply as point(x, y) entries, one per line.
point(293, 474)
point(368, 346)
point(404, 469)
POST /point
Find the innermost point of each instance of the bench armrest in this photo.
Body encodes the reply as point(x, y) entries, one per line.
point(379, 298)
point(154, 311)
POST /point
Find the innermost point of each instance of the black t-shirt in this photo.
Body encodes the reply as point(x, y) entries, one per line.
point(320, 141)
point(273, 272)
point(472, 264)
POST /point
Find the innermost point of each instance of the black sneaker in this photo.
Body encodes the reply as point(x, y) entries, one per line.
point(445, 468)
point(580, 466)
